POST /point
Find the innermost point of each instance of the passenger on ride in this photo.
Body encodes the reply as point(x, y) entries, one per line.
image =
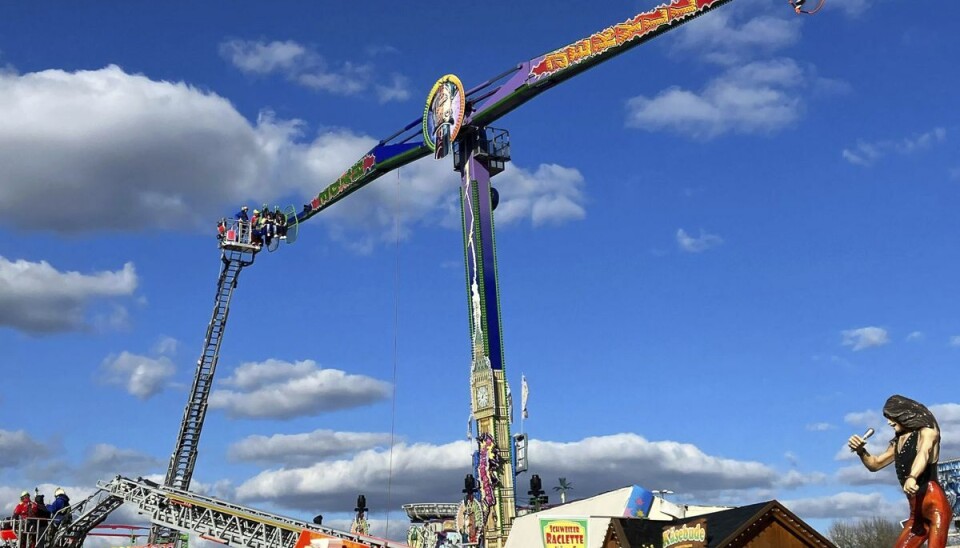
point(255, 230)
point(281, 221)
point(265, 225)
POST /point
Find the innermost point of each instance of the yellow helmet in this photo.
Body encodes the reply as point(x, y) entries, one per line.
point(59, 492)
point(25, 494)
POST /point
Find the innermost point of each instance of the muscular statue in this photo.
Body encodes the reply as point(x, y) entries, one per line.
point(914, 450)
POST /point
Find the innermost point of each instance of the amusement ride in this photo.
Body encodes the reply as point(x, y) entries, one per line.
point(455, 122)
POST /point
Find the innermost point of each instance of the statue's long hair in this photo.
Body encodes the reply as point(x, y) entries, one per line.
point(910, 414)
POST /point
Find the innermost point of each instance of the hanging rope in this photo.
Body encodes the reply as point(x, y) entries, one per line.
point(396, 329)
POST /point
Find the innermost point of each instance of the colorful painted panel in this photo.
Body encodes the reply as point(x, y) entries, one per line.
point(610, 38)
point(359, 174)
point(443, 115)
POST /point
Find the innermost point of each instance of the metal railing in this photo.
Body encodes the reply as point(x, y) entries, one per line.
point(27, 532)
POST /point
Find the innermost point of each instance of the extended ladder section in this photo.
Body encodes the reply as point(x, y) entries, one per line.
point(224, 522)
point(236, 254)
point(79, 519)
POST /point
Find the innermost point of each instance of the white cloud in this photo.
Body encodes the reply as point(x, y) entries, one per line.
point(17, 448)
point(551, 194)
point(820, 427)
point(263, 58)
point(760, 97)
point(857, 474)
point(348, 80)
point(868, 418)
point(140, 376)
point(308, 68)
point(948, 416)
point(398, 89)
point(75, 142)
point(116, 318)
point(696, 245)
point(430, 472)
point(736, 34)
point(37, 298)
point(793, 479)
point(915, 336)
point(867, 154)
point(865, 337)
point(166, 345)
point(305, 449)
point(846, 505)
point(104, 461)
point(280, 390)
point(955, 341)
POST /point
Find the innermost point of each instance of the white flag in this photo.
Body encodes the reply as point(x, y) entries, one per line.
point(510, 404)
point(524, 394)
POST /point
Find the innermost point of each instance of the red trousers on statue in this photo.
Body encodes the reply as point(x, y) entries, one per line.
point(929, 519)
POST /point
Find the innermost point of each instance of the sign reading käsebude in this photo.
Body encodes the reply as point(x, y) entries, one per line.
point(688, 535)
point(563, 532)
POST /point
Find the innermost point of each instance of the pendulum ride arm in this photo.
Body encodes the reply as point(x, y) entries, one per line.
point(183, 460)
point(507, 91)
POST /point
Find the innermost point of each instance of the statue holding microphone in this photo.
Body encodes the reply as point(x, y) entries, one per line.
point(914, 450)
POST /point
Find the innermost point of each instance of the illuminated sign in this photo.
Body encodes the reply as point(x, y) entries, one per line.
point(563, 533)
point(617, 35)
point(688, 535)
point(443, 115)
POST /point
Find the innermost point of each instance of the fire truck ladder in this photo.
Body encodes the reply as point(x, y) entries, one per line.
point(224, 522)
point(83, 517)
point(237, 253)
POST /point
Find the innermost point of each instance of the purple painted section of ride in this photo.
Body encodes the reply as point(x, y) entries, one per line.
point(505, 90)
point(485, 265)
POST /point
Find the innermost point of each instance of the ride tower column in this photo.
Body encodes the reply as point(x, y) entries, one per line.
point(479, 154)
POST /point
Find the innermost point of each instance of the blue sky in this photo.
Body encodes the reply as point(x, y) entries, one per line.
point(718, 253)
